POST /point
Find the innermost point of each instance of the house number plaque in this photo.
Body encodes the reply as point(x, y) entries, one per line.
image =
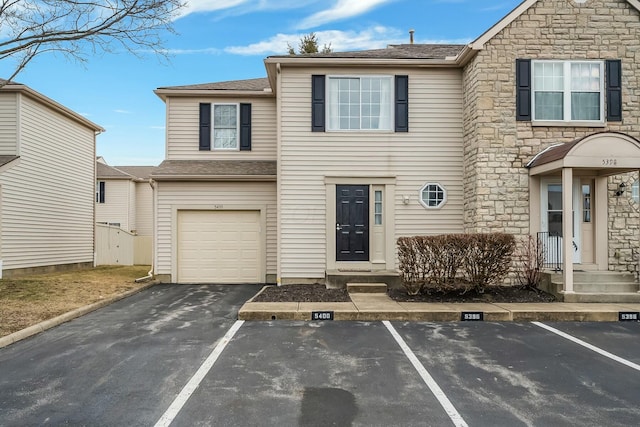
point(322, 315)
point(628, 316)
point(472, 316)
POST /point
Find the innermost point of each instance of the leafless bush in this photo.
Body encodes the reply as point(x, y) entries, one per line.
point(530, 261)
point(488, 259)
point(445, 262)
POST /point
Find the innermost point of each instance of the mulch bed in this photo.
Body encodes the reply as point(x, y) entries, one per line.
point(319, 293)
point(491, 294)
point(302, 293)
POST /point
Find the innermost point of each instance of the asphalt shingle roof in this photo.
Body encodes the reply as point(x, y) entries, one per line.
point(212, 168)
point(106, 171)
point(140, 172)
point(6, 159)
point(397, 51)
point(249, 85)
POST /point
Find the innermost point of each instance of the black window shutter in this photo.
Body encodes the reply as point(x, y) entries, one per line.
point(523, 89)
point(205, 127)
point(317, 103)
point(614, 90)
point(245, 127)
point(101, 192)
point(402, 104)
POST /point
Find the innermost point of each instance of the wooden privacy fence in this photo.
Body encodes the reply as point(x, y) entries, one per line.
point(115, 246)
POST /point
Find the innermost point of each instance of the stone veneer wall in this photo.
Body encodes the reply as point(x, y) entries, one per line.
point(497, 148)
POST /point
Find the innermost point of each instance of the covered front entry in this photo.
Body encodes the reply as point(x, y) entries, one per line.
point(570, 181)
point(551, 220)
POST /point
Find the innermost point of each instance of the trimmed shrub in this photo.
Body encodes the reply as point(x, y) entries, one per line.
point(444, 262)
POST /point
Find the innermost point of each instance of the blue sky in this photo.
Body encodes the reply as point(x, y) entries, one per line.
point(221, 40)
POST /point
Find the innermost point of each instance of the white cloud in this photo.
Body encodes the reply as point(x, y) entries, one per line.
point(341, 10)
point(122, 111)
point(194, 6)
point(376, 37)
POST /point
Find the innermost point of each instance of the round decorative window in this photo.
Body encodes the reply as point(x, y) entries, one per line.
point(433, 195)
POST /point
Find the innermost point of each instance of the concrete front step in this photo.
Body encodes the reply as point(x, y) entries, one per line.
point(597, 277)
point(367, 288)
point(608, 297)
point(340, 278)
point(602, 287)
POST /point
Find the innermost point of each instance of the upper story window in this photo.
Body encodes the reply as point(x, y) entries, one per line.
point(568, 91)
point(100, 191)
point(225, 127)
point(360, 103)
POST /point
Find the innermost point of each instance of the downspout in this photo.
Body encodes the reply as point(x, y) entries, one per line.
point(153, 246)
point(278, 175)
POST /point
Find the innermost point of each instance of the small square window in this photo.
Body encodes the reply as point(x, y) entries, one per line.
point(433, 195)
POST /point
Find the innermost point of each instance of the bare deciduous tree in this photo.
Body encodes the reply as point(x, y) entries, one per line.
point(78, 28)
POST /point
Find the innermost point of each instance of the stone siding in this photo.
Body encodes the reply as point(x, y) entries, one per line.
point(497, 147)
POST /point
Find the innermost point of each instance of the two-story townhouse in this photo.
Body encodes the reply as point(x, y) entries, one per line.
point(535, 121)
point(47, 186)
point(215, 194)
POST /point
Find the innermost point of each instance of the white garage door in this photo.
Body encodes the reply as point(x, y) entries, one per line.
point(219, 247)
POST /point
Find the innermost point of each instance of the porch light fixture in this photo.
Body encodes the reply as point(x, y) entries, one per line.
point(621, 188)
point(405, 199)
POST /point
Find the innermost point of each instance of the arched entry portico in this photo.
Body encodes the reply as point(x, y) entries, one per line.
point(570, 181)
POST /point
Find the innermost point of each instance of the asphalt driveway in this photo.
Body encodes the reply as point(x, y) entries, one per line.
point(175, 355)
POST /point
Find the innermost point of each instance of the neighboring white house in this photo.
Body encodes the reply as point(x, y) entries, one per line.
point(47, 176)
point(124, 201)
point(312, 173)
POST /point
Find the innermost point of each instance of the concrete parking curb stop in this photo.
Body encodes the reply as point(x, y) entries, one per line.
point(376, 307)
point(65, 317)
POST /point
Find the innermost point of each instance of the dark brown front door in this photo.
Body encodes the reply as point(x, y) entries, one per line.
point(352, 223)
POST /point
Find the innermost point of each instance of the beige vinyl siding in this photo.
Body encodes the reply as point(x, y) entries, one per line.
point(144, 209)
point(183, 127)
point(173, 196)
point(117, 204)
point(430, 152)
point(48, 199)
point(8, 124)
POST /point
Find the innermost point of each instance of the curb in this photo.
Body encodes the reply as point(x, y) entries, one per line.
point(441, 312)
point(65, 317)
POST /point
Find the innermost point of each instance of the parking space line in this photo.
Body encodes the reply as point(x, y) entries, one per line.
point(451, 411)
point(175, 407)
point(589, 346)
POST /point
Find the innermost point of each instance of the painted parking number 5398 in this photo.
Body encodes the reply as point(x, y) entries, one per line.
point(609, 162)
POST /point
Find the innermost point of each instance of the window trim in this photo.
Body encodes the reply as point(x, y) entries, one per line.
point(213, 126)
point(391, 107)
point(425, 203)
point(567, 91)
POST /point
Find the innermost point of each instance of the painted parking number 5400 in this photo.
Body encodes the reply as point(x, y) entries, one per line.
point(609, 162)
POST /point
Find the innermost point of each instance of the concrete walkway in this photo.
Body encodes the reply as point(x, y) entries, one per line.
point(378, 306)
